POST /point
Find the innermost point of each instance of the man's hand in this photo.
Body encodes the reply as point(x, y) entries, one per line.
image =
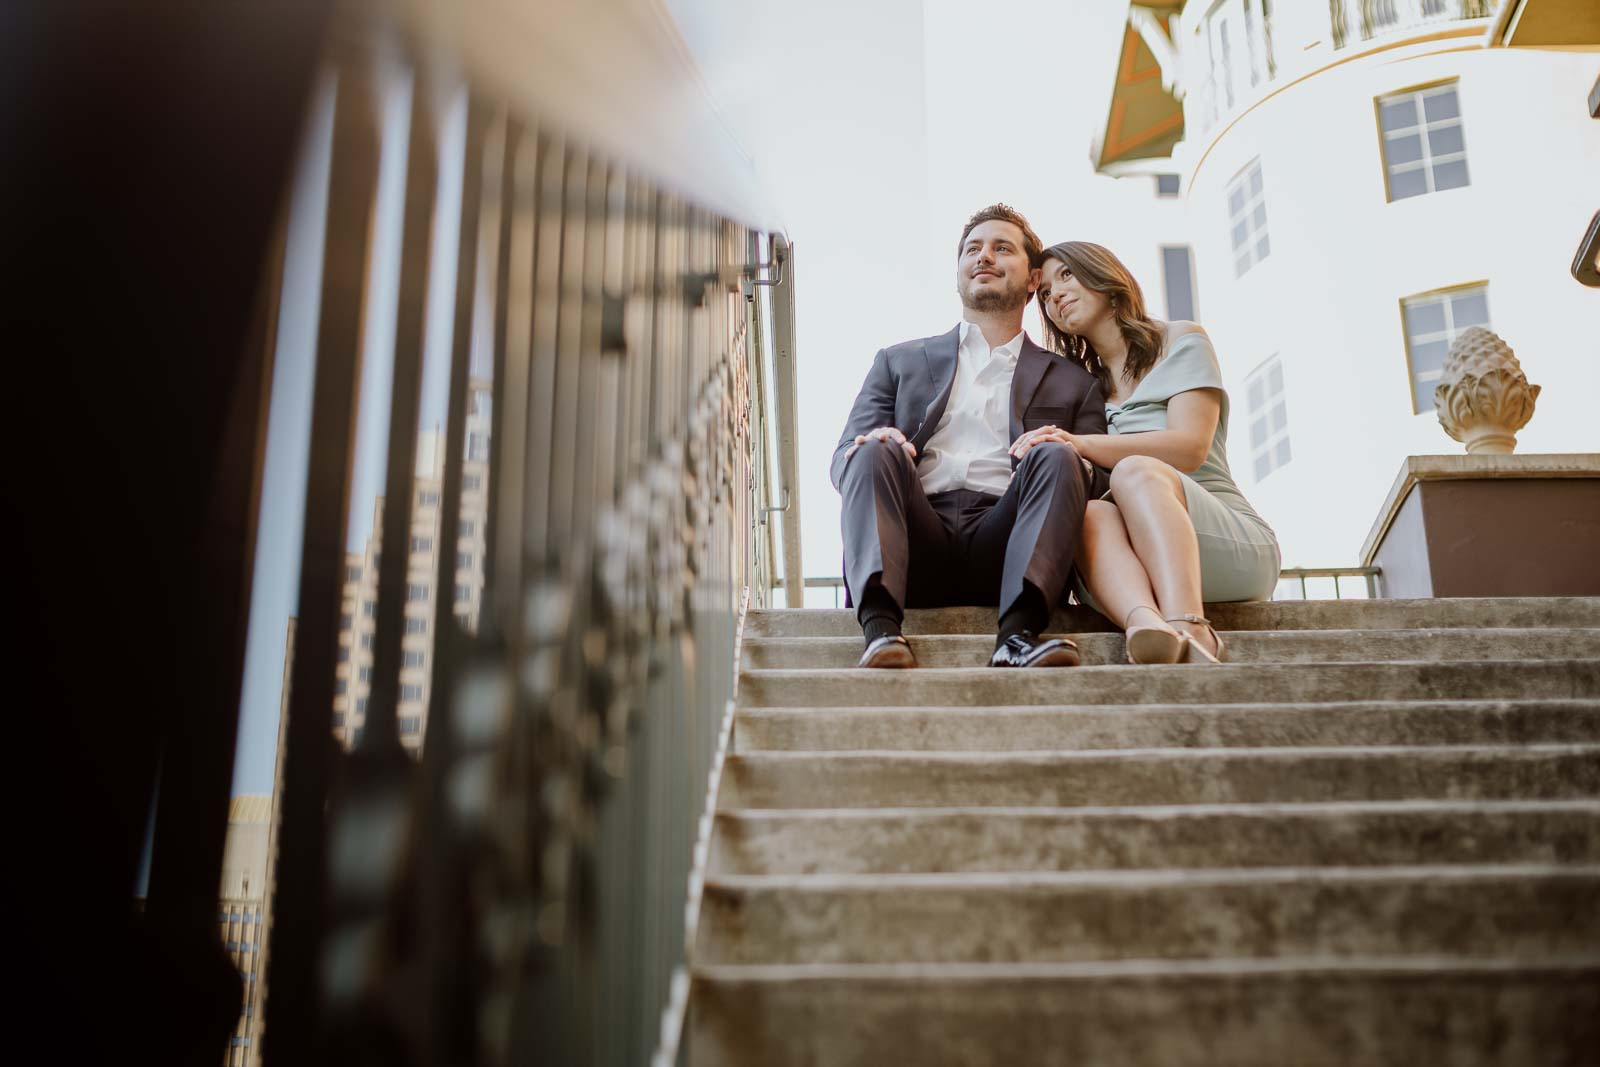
point(883, 433)
point(1023, 444)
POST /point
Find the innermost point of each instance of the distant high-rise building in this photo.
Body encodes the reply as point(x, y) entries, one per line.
point(359, 607)
point(242, 910)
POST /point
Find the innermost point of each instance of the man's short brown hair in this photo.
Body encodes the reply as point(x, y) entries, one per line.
point(1006, 213)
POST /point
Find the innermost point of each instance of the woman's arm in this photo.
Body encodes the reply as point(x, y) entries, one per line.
point(1191, 424)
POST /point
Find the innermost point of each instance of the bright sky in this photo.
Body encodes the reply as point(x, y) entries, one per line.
point(879, 128)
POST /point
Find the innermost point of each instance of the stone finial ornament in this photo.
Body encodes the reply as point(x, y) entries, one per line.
point(1483, 398)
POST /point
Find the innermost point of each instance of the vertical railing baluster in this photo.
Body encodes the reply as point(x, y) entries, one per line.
point(294, 1010)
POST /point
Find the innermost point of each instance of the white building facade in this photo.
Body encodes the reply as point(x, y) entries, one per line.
point(1363, 180)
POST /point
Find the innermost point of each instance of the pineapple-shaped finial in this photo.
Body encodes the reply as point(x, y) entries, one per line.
point(1483, 398)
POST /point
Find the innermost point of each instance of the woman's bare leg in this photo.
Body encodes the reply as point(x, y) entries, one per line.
point(1109, 566)
point(1150, 497)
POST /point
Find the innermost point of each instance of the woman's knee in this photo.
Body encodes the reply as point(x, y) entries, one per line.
point(1135, 476)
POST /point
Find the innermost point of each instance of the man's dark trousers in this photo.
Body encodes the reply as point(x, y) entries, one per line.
point(961, 547)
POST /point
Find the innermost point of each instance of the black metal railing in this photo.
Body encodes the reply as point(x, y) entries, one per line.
point(504, 692)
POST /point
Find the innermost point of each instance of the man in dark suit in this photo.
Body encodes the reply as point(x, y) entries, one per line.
point(937, 510)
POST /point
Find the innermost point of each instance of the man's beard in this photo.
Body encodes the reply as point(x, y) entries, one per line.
point(990, 298)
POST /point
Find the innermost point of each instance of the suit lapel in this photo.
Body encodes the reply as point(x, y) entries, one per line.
point(940, 354)
point(1032, 365)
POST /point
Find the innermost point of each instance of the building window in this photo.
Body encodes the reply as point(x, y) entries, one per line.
point(1269, 418)
point(466, 528)
point(344, 654)
point(416, 592)
point(463, 593)
point(1177, 266)
point(346, 621)
point(369, 608)
point(340, 687)
point(416, 626)
point(411, 692)
point(361, 704)
point(1166, 185)
point(366, 674)
point(428, 498)
point(1433, 322)
point(352, 574)
point(366, 640)
point(470, 482)
point(1423, 150)
point(481, 403)
point(463, 561)
point(410, 724)
point(1247, 218)
point(422, 544)
point(411, 658)
point(478, 447)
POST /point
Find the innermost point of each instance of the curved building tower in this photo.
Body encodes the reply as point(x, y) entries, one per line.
point(1363, 181)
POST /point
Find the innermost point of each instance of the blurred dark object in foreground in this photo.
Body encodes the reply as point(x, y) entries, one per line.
point(147, 147)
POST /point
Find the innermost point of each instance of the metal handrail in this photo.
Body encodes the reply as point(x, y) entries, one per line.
point(514, 887)
point(1289, 574)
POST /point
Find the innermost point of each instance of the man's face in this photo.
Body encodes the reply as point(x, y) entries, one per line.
point(992, 273)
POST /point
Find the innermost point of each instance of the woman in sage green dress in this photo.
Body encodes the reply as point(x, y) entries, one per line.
point(1174, 532)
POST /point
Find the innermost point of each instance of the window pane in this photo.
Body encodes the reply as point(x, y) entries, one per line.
point(1407, 149)
point(1258, 433)
point(1399, 114)
point(1443, 105)
point(1166, 185)
point(1275, 378)
point(1263, 466)
point(1280, 416)
point(1179, 283)
point(1428, 357)
point(1422, 397)
point(1259, 216)
point(1407, 183)
point(1263, 246)
point(1258, 394)
point(1470, 309)
point(1450, 175)
point(1281, 454)
point(1241, 264)
point(1236, 200)
point(1240, 233)
point(1255, 180)
point(1424, 318)
point(1445, 140)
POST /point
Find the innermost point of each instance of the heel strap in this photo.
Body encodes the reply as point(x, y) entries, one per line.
point(1139, 607)
point(1191, 617)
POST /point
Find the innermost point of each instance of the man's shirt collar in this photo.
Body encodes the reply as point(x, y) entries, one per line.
point(1008, 351)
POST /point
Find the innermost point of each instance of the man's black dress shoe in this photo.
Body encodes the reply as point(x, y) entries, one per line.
point(890, 651)
point(1026, 650)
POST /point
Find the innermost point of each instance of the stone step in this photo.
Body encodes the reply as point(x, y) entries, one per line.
point(1176, 684)
point(1292, 646)
point(1497, 612)
point(1228, 1013)
point(926, 841)
point(1102, 726)
point(1525, 912)
point(1158, 776)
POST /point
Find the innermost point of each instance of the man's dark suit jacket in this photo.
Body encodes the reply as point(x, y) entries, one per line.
point(909, 385)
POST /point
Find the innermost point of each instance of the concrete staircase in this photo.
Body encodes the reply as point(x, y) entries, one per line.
point(1372, 838)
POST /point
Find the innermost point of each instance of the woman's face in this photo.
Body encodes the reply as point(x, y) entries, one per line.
point(1072, 306)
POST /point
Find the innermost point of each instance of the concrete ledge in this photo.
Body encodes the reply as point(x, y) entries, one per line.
point(1489, 525)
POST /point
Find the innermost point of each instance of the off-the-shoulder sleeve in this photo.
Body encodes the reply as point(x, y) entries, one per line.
point(1191, 363)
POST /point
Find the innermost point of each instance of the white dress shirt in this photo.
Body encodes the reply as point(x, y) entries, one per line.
point(970, 447)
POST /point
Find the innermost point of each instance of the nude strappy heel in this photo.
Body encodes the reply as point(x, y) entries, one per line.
point(1193, 652)
point(1152, 644)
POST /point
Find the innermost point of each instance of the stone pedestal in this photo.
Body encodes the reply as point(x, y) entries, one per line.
point(1490, 525)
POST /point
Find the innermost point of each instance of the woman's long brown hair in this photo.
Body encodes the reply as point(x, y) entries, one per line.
point(1097, 269)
